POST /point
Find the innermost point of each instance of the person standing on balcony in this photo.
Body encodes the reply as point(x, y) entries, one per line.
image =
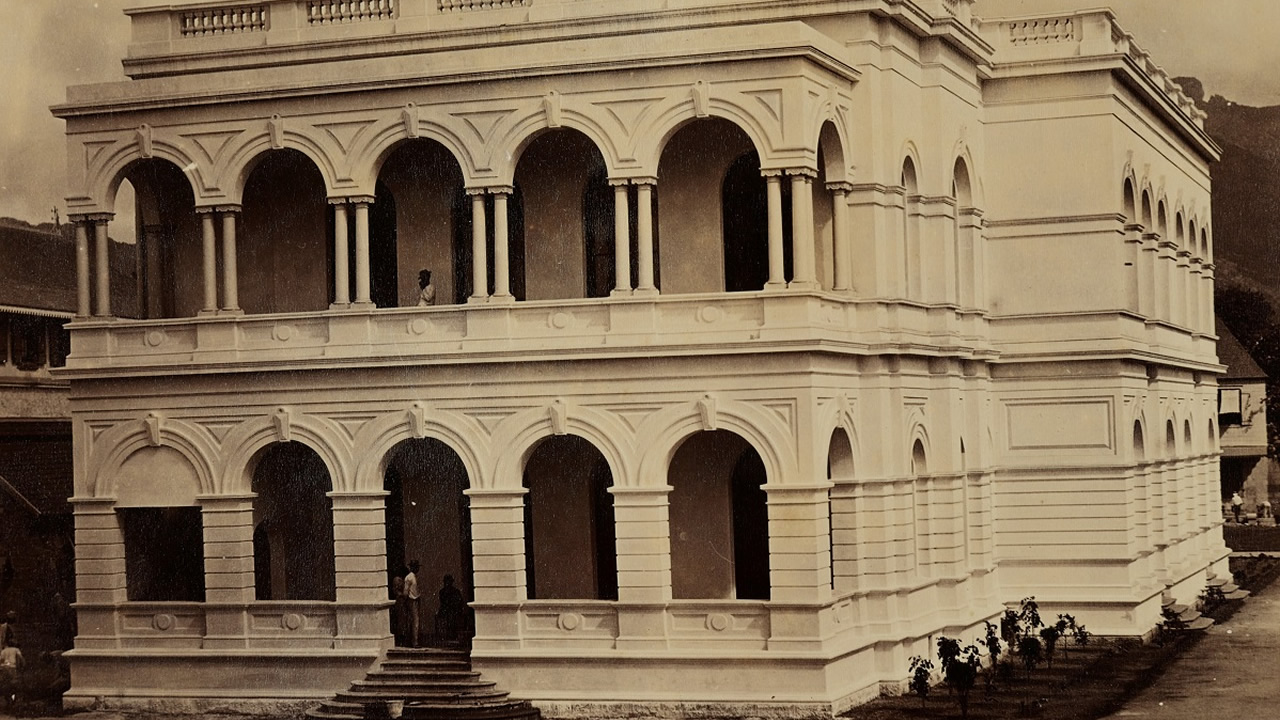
point(427, 294)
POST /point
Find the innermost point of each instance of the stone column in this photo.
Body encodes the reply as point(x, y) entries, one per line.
point(230, 273)
point(360, 568)
point(501, 243)
point(1195, 318)
point(621, 238)
point(83, 299)
point(479, 250)
point(102, 263)
point(803, 266)
point(1166, 276)
point(341, 253)
point(498, 565)
point(362, 250)
point(208, 260)
point(773, 180)
point(1206, 299)
point(228, 568)
point(644, 564)
point(100, 571)
point(1178, 289)
point(1133, 271)
point(843, 248)
point(644, 236)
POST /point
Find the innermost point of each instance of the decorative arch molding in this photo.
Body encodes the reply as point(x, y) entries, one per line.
point(834, 112)
point(242, 160)
point(388, 135)
point(244, 442)
point(375, 440)
point(196, 444)
point(909, 152)
point(105, 174)
point(918, 432)
point(764, 430)
point(680, 111)
point(518, 130)
point(520, 433)
point(961, 152)
point(832, 416)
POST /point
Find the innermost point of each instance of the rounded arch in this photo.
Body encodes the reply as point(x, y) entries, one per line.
point(962, 189)
point(1186, 437)
point(246, 157)
point(1162, 218)
point(522, 133)
point(909, 178)
point(1148, 217)
point(1206, 249)
point(919, 464)
point(1170, 439)
point(1211, 437)
point(1179, 230)
point(1139, 442)
point(831, 145)
point(1129, 203)
point(116, 445)
point(376, 439)
point(520, 434)
point(840, 458)
point(105, 183)
point(1193, 237)
point(833, 417)
point(245, 444)
point(670, 427)
point(666, 124)
point(368, 160)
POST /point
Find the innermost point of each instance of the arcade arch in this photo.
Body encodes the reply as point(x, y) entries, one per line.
point(162, 526)
point(284, 254)
point(718, 518)
point(293, 551)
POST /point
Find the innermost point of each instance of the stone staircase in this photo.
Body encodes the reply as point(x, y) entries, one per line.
point(424, 684)
point(1188, 617)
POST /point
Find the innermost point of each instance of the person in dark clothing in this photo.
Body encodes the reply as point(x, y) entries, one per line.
point(452, 611)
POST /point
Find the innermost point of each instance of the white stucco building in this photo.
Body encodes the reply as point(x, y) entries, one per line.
point(771, 340)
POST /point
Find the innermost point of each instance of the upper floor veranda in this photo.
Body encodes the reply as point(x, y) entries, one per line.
point(568, 187)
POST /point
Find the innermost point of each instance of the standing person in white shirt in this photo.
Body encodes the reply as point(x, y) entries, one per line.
point(427, 291)
point(411, 592)
point(11, 662)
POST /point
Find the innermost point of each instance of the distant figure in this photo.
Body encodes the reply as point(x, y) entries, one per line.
point(11, 662)
point(1237, 503)
point(427, 294)
point(453, 609)
point(414, 598)
point(399, 612)
point(8, 633)
point(64, 623)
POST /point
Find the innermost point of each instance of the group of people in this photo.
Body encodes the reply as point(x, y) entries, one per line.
point(406, 621)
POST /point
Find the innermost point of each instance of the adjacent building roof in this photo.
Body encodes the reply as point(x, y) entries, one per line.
point(1240, 364)
point(47, 258)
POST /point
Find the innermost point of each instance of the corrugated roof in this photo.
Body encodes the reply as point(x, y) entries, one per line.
point(1240, 364)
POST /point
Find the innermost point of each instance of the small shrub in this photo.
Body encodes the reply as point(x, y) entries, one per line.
point(1049, 637)
point(921, 674)
point(1009, 628)
point(960, 666)
point(1031, 651)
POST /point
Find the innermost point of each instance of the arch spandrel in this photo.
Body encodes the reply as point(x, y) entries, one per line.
point(519, 434)
point(375, 440)
point(105, 171)
point(681, 108)
point(833, 416)
point(242, 159)
point(763, 429)
point(516, 132)
point(245, 442)
point(368, 158)
point(113, 448)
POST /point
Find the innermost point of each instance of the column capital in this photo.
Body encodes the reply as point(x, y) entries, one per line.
point(618, 182)
point(772, 172)
point(840, 187)
point(224, 209)
point(473, 191)
point(803, 172)
point(91, 217)
point(501, 190)
point(644, 180)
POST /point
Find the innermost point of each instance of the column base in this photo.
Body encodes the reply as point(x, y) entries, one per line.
point(804, 285)
point(340, 306)
point(620, 293)
point(231, 311)
point(477, 299)
point(505, 299)
point(774, 286)
point(363, 305)
point(207, 312)
point(650, 292)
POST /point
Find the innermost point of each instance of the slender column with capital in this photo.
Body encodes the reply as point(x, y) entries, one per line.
point(644, 236)
point(773, 184)
point(804, 270)
point(341, 269)
point(501, 252)
point(83, 307)
point(363, 296)
point(843, 259)
point(230, 275)
point(209, 261)
point(103, 264)
point(479, 252)
point(621, 239)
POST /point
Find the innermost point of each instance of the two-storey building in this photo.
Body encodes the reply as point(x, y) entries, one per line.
point(770, 341)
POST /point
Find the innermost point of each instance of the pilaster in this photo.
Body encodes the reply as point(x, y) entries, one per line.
point(644, 564)
point(100, 571)
point(498, 564)
point(228, 568)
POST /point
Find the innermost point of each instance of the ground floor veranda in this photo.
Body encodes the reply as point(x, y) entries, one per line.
point(794, 539)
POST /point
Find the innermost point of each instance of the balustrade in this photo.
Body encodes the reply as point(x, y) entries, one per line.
point(331, 12)
point(220, 21)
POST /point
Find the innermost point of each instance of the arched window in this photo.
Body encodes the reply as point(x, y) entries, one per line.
point(842, 512)
point(962, 235)
point(922, 508)
point(156, 489)
point(719, 519)
point(912, 260)
point(157, 266)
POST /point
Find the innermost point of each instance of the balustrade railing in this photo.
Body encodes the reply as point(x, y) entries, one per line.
point(331, 12)
point(224, 20)
point(464, 5)
point(1042, 31)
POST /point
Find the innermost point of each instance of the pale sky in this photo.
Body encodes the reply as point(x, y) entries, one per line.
point(46, 45)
